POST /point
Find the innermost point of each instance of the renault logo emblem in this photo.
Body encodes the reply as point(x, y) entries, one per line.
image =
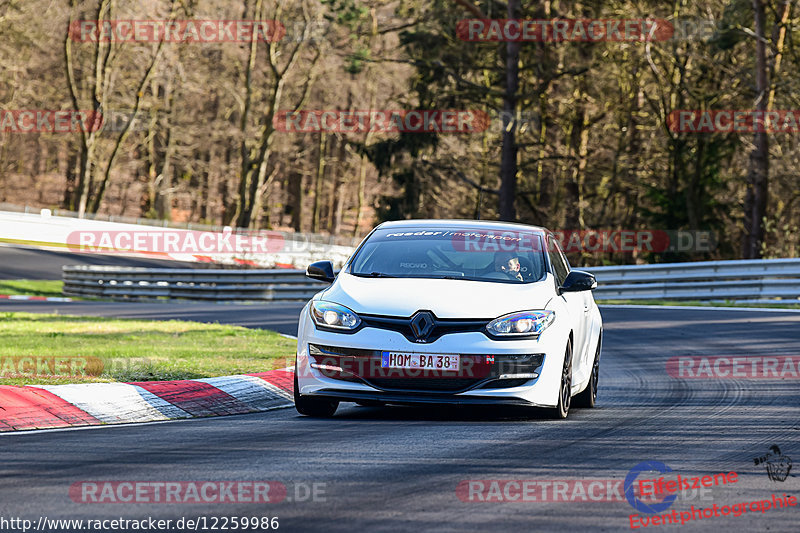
point(422, 324)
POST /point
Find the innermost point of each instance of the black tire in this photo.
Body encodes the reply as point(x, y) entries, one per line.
point(316, 407)
point(370, 403)
point(565, 388)
point(588, 397)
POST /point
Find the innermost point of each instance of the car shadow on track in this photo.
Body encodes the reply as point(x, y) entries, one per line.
point(445, 413)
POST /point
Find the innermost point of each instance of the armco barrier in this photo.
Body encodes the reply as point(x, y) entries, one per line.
point(709, 280)
point(206, 284)
point(706, 280)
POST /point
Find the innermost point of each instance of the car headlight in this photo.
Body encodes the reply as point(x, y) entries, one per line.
point(521, 324)
point(331, 315)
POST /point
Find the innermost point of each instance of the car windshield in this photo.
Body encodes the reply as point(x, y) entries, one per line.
point(470, 254)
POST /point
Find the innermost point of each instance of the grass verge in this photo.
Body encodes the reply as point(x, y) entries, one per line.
point(41, 349)
point(31, 287)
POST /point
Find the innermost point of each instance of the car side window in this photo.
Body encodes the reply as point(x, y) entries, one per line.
point(564, 259)
point(560, 265)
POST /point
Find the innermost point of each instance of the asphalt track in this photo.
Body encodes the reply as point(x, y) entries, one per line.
point(397, 469)
point(28, 263)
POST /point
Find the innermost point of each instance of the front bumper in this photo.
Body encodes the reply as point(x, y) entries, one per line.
point(411, 398)
point(346, 367)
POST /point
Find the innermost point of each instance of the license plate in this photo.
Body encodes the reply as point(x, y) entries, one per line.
point(420, 360)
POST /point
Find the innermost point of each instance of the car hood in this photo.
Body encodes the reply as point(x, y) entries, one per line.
point(446, 298)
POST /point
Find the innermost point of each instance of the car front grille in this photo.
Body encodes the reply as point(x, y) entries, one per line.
point(441, 326)
point(363, 366)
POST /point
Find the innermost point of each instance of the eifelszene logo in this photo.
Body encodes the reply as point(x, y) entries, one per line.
point(778, 465)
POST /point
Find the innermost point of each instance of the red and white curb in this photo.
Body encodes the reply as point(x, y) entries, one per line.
point(36, 298)
point(60, 406)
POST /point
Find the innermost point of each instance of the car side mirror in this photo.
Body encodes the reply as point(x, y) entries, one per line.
point(578, 281)
point(321, 270)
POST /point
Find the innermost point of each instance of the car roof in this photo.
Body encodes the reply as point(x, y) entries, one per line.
point(461, 224)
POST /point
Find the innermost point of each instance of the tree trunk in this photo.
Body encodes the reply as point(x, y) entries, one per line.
point(362, 179)
point(71, 174)
point(337, 189)
point(228, 203)
point(758, 169)
point(508, 157)
point(371, 88)
point(205, 187)
point(163, 203)
point(315, 215)
point(295, 192)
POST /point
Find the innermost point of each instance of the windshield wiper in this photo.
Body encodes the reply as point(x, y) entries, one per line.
point(373, 275)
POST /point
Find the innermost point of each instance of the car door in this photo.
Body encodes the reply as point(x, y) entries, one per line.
point(576, 303)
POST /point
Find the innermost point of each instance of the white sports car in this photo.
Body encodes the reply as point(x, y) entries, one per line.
point(450, 311)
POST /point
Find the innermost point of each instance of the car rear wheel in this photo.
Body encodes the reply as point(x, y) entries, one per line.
point(316, 407)
point(588, 397)
point(565, 390)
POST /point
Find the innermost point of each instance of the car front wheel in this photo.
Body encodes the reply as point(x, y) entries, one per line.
point(588, 398)
point(565, 389)
point(316, 407)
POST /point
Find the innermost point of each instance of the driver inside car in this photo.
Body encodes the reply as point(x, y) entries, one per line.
point(508, 264)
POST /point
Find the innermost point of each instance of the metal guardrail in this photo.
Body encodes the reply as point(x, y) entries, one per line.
point(708, 280)
point(193, 284)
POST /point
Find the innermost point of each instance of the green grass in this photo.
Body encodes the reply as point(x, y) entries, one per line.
point(106, 349)
point(31, 287)
point(729, 303)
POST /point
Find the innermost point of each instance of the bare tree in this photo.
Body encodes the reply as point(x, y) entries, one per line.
point(255, 155)
point(755, 206)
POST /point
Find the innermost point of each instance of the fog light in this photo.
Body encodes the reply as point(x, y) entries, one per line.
point(527, 375)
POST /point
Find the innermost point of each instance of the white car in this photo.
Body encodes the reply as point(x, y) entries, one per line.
point(450, 311)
